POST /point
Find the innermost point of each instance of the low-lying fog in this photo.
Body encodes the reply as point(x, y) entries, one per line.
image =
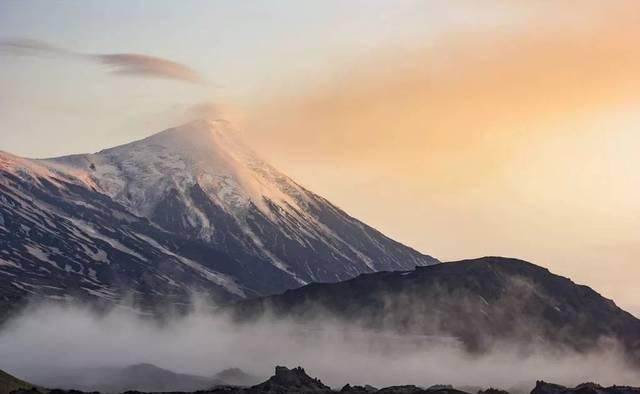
point(53, 337)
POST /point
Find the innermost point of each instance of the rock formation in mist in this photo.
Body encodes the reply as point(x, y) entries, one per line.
point(480, 303)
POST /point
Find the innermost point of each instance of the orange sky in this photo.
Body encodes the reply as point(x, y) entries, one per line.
point(520, 139)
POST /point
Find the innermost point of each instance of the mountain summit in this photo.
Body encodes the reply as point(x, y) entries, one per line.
point(189, 207)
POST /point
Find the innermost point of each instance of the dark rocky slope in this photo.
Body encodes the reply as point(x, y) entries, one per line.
point(585, 388)
point(141, 377)
point(479, 301)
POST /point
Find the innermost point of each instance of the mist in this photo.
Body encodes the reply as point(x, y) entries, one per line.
point(48, 337)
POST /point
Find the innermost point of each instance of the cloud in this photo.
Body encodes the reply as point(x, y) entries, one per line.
point(131, 64)
point(213, 111)
point(460, 104)
point(204, 343)
point(149, 66)
point(509, 136)
point(26, 46)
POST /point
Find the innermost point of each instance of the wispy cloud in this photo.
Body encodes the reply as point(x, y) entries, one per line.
point(26, 46)
point(131, 64)
point(148, 66)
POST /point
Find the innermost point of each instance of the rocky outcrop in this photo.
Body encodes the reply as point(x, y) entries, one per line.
point(366, 389)
point(406, 389)
point(584, 388)
point(543, 387)
point(291, 381)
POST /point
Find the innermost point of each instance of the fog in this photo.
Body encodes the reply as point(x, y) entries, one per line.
point(53, 337)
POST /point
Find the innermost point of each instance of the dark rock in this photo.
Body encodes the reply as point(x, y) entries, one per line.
point(543, 387)
point(32, 390)
point(584, 388)
point(444, 390)
point(366, 389)
point(406, 389)
point(438, 387)
point(288, 380)
point(491, 390)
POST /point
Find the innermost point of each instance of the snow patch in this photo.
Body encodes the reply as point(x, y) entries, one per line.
point(216, 277)
point(39, 254)
point(7, 263)
point(114, 243)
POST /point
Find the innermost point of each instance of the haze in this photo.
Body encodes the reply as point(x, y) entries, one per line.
point(335, 351)
point(461, 129)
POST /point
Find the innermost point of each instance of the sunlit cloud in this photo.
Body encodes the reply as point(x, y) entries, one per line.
point(517, 137)
point(472, 93)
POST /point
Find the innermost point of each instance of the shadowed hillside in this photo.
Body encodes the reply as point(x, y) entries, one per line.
point(480, 302)
point(9, 383)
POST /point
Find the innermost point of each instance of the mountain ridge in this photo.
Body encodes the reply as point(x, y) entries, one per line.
point(479, 302)
point(189, 207)
point(216, 175)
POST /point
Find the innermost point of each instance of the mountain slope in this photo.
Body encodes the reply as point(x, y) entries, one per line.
point(480, 302)
point(9, 383)
point(187, 208)
point(200, 180)
point(138, 377)
point(60, 237)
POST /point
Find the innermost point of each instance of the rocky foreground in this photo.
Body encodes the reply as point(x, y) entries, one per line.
point(296, 380)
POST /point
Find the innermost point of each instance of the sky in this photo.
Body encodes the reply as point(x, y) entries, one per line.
point(460, 128)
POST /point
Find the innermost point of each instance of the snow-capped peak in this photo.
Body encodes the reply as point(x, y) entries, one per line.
point(202, 152)
point(200, 182)
point(199, 140)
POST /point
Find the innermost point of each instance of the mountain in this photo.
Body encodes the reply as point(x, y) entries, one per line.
point(584, 388)
point(293, 380)
point(297, 381)
point(478, 302)
point(189, 208)
point(237, 377)
point(139, 377)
